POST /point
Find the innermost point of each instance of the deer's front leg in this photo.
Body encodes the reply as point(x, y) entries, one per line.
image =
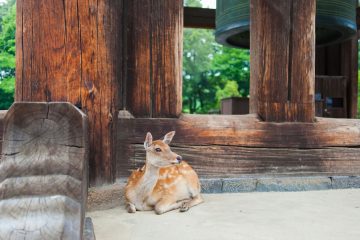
point(168, 204)
point(193, 202)
point(132, 208)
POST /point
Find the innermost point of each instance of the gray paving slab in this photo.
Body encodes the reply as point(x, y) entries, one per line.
point(310, 215)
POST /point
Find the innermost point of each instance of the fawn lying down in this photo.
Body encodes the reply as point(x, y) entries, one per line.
point(165, 182)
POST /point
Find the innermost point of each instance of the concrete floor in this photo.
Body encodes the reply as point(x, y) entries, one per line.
point(333, 214)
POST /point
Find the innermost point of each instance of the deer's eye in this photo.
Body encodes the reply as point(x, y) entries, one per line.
point(158, 149)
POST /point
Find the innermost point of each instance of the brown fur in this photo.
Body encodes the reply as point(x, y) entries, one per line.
point(163, 183)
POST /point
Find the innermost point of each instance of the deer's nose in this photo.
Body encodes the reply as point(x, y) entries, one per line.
point(179, 158)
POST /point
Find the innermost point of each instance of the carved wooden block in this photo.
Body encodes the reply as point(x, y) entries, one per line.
point(43, 172)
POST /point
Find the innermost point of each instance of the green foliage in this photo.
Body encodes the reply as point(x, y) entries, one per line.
point(192, 3)
point(7, 89)
point(8, 26)
point(232, 64)
point(207, 69)
point(211, 71)
point(231, 89)
point(197, 87)
point(7, 53)
point(7, 61)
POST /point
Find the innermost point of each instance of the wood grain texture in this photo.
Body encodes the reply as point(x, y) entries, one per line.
point(72, 51)
point(42, 218)
point(229, 146)
point(138, 92)
point(215, 161)
point(43, 172)
point(349, 68)
point(281, 88)
point(154, 57)
point(245, 131)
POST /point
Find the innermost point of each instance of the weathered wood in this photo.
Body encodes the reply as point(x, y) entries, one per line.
point(137, 92)
point(43, 172)
point(229, 146)
point(154, 58)
point(232, 161)
point(89, 230)
point(243, 130)
point(281, 88)
point(199, 18)
point(349, 68)
point(71, 51)
point(43, 218)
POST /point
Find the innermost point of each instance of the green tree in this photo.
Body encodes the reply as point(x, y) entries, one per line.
point(192, 3)
point(7, 53)
point(211, 70)
point(231, 89)
point(208, 67)
point(198, 51)
point(231, 64)
point(197, 87)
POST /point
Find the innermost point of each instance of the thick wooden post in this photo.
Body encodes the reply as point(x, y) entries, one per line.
point(43, 172)
point(153, 49)
point(349, 68)
point(70, 51)
point(283, 59)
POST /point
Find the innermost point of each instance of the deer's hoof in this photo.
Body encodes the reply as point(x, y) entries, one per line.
point(184, 207)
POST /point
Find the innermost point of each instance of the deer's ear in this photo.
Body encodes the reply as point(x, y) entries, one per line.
point(148, 140)
point(168, 137)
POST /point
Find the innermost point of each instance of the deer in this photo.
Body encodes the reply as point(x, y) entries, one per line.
point(164, 183)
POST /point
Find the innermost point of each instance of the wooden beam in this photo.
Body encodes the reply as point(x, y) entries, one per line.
point(153, 49)
point(244, 131)
point(221, 146)
point(199, 18)
point(215, 161)
point(229, 146)
point(349, 68)
point(283, 61)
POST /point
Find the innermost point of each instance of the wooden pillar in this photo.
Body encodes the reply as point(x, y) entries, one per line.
point(153, 49)
point(282, 59)
point(43, 172)
point(349, 69)
point(70, 51)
